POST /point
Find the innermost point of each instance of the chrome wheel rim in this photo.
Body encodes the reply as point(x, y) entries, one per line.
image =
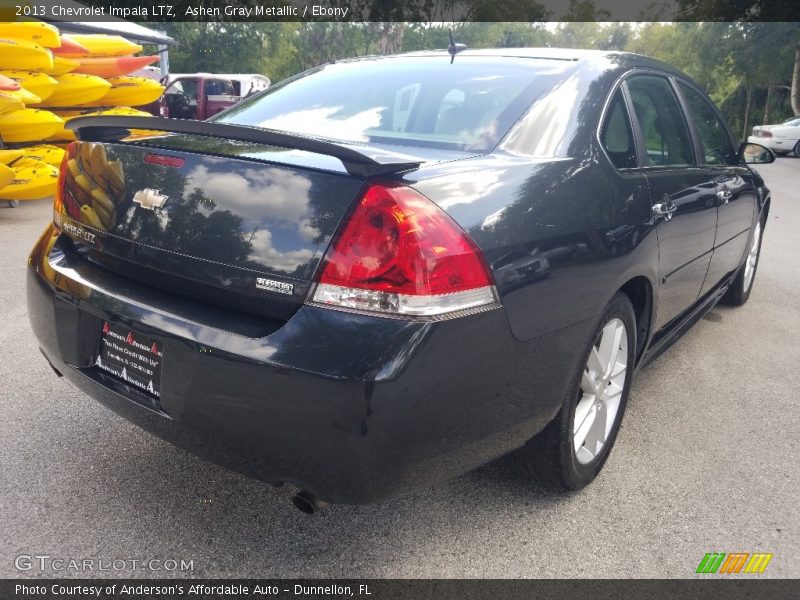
point(752, 258)
point(602, 385)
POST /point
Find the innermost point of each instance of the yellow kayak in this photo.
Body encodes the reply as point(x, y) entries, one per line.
point(32, 179)
point(35, 82)
point(75, 89)
point(52, 155)
point(9, 156)
point(9, 103)
point(25, 96)
point(20, 54)
point(130, 91)
point(67, 135)
point(29, 125)
point(31, 31)
point(102, 45)
point(62, 65)
point(6, 175)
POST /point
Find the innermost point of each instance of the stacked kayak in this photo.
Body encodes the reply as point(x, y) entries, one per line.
point(32, 179)
point(113, 66)
point(62, 134)
point(36, 82)
point(31, 31)
point(47, 79)
point(97, 45)
point(25, 178)
point(76, 89)
point(29, 125)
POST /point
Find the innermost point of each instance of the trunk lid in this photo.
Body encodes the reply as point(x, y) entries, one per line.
point(204, 217)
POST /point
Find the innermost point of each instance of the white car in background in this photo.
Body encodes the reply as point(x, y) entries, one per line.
point(781, 139)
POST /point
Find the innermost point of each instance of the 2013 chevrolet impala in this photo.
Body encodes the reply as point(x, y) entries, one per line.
point(385, 272)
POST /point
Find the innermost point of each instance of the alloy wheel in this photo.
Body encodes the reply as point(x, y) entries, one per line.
point(752, 258)
point(602, 385)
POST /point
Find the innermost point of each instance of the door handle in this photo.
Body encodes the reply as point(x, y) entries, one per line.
point(724, 195)
point(665, 209)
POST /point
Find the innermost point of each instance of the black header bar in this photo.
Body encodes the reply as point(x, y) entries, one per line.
point(403, 10)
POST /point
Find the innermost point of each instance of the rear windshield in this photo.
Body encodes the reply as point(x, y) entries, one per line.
point(420, 101)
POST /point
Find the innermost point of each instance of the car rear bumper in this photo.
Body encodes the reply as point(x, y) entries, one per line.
point(774, 143)
point(352, 408)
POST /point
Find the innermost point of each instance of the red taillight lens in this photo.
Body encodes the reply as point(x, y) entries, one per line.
point(58, 198)
point(401, 254)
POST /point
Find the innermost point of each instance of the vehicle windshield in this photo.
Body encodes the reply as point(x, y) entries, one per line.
point(793, 121)
point(419, 101)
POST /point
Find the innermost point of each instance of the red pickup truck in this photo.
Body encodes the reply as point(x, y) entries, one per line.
point(199, 96)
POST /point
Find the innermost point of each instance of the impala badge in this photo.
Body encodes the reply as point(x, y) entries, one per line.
point(274, 286)
point(150, 199)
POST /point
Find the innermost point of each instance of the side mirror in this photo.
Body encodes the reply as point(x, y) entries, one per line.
point(756, 154)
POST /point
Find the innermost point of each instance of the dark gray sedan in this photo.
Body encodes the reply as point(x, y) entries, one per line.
point(386, 272)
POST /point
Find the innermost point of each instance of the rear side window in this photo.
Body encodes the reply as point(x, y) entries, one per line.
point(219, 87)
point(425, 101)
point(616, 135)
point(716, 144)
point(663, 127)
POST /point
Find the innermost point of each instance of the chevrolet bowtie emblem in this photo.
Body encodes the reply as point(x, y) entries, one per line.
point(150, 199)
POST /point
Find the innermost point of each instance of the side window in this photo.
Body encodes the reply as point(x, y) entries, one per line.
point(403, 103)
point(666, 137)
point(616, 135)
point(219, 87)
point(189, 87)
point(717, 148)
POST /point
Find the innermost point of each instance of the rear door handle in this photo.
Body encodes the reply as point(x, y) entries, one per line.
point(724, 195)
point(665, 209)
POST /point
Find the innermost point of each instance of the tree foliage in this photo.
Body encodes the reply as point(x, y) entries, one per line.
point(734, 61)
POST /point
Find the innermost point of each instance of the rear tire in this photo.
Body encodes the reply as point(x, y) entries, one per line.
point(739, 291)
point(598, 395)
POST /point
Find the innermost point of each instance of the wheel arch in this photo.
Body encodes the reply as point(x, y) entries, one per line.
point(639, 290)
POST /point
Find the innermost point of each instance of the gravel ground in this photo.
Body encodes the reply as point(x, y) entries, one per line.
point(707, 460)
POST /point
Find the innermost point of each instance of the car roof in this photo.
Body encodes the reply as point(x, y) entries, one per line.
point(572, 54)
point(609, 59)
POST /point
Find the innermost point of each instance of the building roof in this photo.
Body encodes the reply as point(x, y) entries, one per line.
point(112, 26)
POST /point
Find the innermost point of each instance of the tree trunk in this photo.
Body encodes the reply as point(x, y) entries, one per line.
point(796, 83)
point(766, 105)
point(747, 110)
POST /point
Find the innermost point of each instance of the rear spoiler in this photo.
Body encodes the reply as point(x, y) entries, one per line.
point(361, 161)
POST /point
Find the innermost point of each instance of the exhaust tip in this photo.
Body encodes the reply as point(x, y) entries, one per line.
point(307, 503)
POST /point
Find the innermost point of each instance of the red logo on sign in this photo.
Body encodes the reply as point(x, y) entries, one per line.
point(154, 349)
point(129, 339)
point(106, 328)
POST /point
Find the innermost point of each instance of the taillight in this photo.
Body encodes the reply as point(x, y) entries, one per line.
point(58, 198)
point(401, 255)
point(766, 133)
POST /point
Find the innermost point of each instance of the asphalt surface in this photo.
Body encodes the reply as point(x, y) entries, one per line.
point(707, 460)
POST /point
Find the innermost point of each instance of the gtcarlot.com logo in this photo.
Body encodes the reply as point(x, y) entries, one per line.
point(734, 562)
point(45, 562)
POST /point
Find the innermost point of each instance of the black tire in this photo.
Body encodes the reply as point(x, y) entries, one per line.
point(797, 149)
point(739, 291)
point(550, 457)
